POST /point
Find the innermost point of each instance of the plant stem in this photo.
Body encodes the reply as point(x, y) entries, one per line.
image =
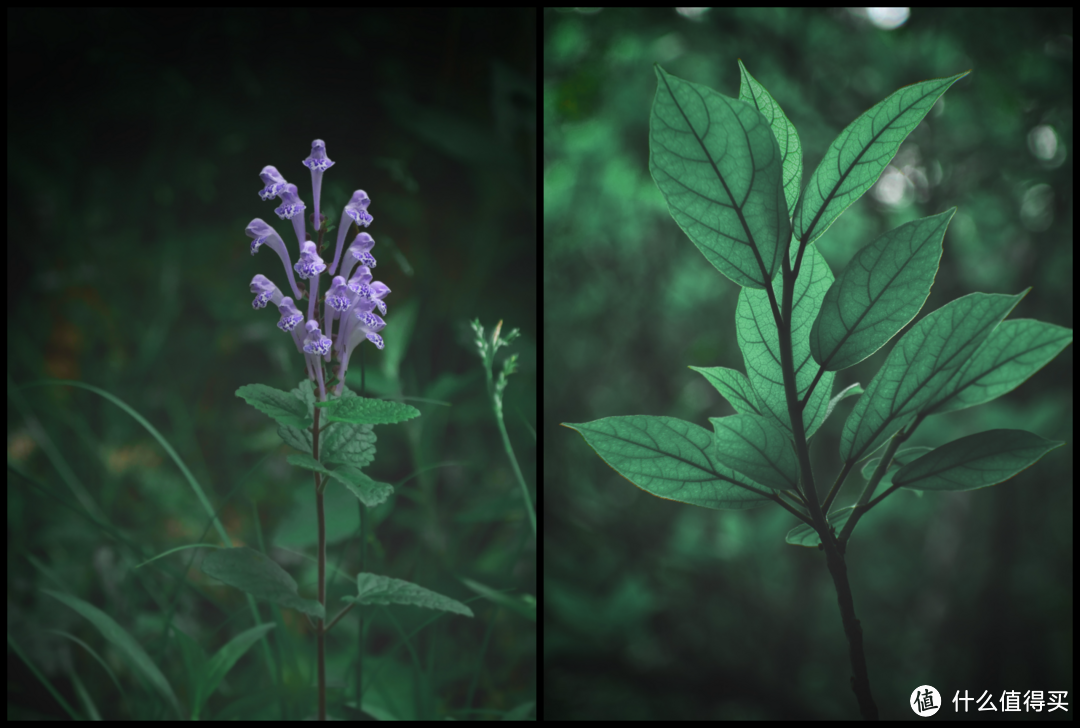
point(517, 470)
point(360, 615)
point(320, 632)
point(860, 681)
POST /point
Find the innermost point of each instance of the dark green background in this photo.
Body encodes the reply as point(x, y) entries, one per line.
point(659, 610)
point(135, 141)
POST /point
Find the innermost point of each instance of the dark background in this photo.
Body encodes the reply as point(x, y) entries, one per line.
point(660, 610)
point(135, 140)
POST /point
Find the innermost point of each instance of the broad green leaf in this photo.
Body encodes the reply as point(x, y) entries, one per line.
point(255, 573)
point(805, 535)
point(377, 589)
point(754, 447)
point(346, 443)
point(282, 406)
point(734, 387)
point(760, 344)
point(1013, 352)
point(124, 643)
point(719, 167)
point(753, 93)
point(975, 461)
point(219, 665)
point(919, 369)
point(366, 411)
point(879, 292)
point(671, 459)
point(370, 492)
point(857, 157)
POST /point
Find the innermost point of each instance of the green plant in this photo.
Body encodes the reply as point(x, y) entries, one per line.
point(731, 172)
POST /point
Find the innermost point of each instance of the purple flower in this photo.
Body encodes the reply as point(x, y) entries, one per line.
point(263, 234)
point(353, 296)
point(356, 210)
point(318, 163)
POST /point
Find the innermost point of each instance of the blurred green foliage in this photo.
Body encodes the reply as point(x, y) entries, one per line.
point(659, 610)
point(135, 141)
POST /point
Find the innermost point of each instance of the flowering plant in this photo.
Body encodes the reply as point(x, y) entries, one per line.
point(326, 339)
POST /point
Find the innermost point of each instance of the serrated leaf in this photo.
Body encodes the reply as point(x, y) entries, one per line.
point(760, 344)
point(282, 406)
point(719, 167)
point(369, 492)
point(879, 292)
point(669, 458)
point(857, 157)
point(921, 369)
point(976, 461)
point(362, 410)
point(257, 574)
point(787, 138)
point(377, 589)
point(339, 442)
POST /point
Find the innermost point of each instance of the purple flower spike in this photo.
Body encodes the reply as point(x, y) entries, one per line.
point(353, 297)
point(262, 234)
point(318, 163)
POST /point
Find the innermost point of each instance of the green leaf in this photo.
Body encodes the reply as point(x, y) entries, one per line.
point(219, 665)
point(754, 94)
point(523, 604)
point(1013, 352)
point(362, 410)
point(719, 167)
point(282, 406)
point(124, 643)
point(255, 573)
point(976, 461)
point(805, 535)
point(339, 442)
point(879, 292)
point(760, 344)
point(919, 369)
point(376, 589)
point(857, 157)
point(671, 459)
point(851, 390)
point(734, 387)
point(901, 458)
point(757, 449)
point(369, 492)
